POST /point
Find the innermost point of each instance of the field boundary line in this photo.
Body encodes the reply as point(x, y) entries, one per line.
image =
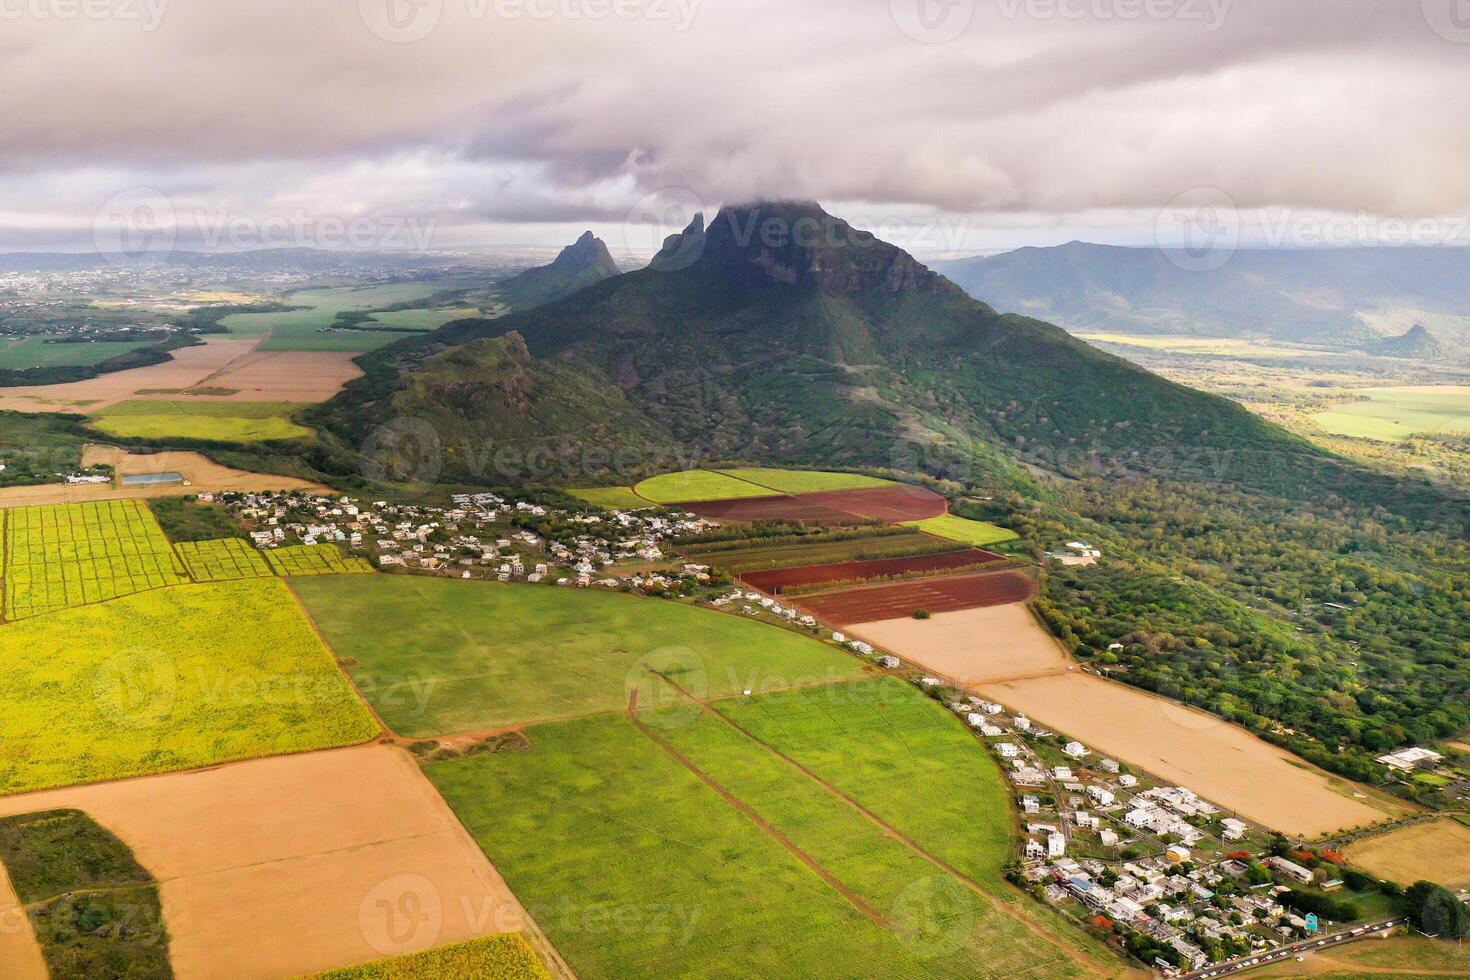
point(853, 899)
point(383, 729)
point(994, 900)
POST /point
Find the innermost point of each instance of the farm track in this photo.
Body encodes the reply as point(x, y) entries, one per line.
point(992, 900)
point(853, 898)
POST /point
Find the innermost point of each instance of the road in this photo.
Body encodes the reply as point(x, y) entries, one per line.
point(1294, 950)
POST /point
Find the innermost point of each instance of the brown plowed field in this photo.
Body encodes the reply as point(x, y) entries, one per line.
point(874, 603)
point(894, 504)
point(774, 580)
point(799, 509)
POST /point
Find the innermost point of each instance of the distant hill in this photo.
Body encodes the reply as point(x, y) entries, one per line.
point(1338, 297)
point(835, 348)
point(1417, 343)
point(581, 264)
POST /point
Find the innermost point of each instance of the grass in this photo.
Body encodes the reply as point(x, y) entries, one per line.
point(191, 519)
point(69, 555)
point(315, 559)
point(1393, 414)
point(691, 486)
point(306, 329)
point(420, 320)
point(171, 679)
point(504, 957)
point(443, 656)
point(209, 421)
point(610, 498)
point(804, 481)
point(34, 352)
point(703, 888)
point(976, 534)
point(222, 561)
point(95, 910)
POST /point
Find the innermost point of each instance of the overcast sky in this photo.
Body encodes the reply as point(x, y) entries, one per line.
point(953, 125)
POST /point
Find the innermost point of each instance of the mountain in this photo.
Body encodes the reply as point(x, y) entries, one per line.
point(1338, 297)
point(582, 263)
point(1417, 343)
point(781, 333)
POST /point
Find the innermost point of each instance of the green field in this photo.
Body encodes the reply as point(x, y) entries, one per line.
point(805, 481)
point(1392, 414)
point(737, 560)
point(73, 554)
point(976, 534)
point(315, 559)
point(610, 498)
point(694, 485)
point(222, 561)
point(302, 329)
point(1207, 346)
point(212, 421)
point(507, 956)
point(765, 873)
point(420, 320)
point(443, 656)
point(34, 352)
point(95, 910)
point(171, 679)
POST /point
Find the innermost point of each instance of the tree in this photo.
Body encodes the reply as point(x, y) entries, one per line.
point(1436, 911)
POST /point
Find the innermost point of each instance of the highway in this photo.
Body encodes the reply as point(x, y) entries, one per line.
point(1294, 950)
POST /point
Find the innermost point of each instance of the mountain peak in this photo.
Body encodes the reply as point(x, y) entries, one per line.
point(795, 243)
point(587, 252)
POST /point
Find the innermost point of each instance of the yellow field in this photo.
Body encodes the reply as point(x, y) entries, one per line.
point(1438, 852)
point(221, 561)
point(73, 554)
point(504, 957)
point(315, 559)
point(170, 679)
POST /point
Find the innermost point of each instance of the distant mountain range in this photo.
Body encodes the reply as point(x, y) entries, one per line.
point(1344, 298)
point(829, 348)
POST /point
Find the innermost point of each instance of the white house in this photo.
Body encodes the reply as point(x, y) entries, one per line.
point(1056, 845)
point(1022, 723)
point(1108, 765)
point(1035, 850)
point(1290, 869)
point(1030, 804)
point(990, 707)
point(990, 731)
point(1007, 750)
point(975, 719)
point(1102, 797)
point(1126, 780)
point(1109, 838)
point(1232, 829)
point(1408, 760)
point(1061, 773)
point(1075, 749)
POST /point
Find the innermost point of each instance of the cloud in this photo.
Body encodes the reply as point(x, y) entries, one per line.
point(526, 112)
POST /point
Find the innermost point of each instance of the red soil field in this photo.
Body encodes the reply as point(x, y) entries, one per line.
point(774, 580)
point(893, 504)
point(867, 605)
point(799, 509)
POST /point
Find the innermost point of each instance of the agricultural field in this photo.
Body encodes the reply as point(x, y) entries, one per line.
point(762, 869)
point(756, 556)
point(976, 534)
point(1204, 346)
point(610, 498)
point(420, 320)
point(315, 559)
point(222, 561)
point(697, 485)
point(20, 354)
point(776, 581)
point(1394, 414)
point(1438, 852)
point(292, 865)
point(874, 603)
point(169, 679)
point(804, 481)
point(306, 329)
point(213, 421)
point(94, 908)
point(1398, 958)
point(507, 956)
point(73, 554)
point(744, 510)
point(973, 646)
point(443, 656)
point(898, 504)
